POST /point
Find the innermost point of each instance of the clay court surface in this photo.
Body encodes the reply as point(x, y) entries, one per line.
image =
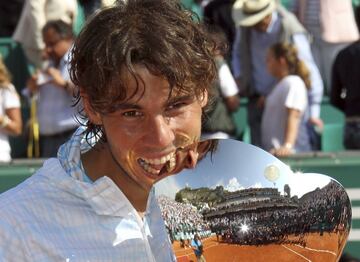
point(319, 248)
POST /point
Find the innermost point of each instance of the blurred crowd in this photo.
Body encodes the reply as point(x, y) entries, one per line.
point(319, 211)
point(323, 210)
point(182, 220)
point(284, 57)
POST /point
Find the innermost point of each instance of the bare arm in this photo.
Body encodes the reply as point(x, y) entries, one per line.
point(11, 122)
point(291, 132)
point(232, 103)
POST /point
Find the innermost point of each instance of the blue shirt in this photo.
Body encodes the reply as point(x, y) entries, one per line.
point(56, 215)
point(196, 244)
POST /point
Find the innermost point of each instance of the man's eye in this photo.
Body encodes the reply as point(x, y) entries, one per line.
point(177, 105)
point(132, 114)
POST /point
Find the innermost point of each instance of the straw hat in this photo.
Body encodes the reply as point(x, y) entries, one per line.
point(251, 12)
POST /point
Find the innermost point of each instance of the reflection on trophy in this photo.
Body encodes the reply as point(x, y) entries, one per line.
point(277, 216)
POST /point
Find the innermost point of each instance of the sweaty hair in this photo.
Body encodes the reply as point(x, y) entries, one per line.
point(295, 65)
point(157, 34)
point(64, 30)
point(5, 77)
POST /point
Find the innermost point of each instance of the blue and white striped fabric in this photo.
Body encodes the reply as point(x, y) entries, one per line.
point(58, 216)
point(69, 154)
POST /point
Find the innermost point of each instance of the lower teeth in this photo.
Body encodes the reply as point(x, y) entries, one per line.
point(168, 167)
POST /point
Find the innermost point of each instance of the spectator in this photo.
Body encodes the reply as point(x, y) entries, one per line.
point(218, 121)
point(143, 84)
point(286, 103)
point(34, 16)
point(262, 23)
point(332, 26)
point(53, 90)
point(10, 114)
point(345, 92)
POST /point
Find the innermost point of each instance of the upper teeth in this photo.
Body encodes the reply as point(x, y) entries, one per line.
point(169, 160)
point(159, 161)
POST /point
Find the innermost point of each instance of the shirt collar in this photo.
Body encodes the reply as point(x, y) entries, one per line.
point(103, 195)
point(70, 152)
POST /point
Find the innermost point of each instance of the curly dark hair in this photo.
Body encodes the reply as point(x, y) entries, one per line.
point(158, 34)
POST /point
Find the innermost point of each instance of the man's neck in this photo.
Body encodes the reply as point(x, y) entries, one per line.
point(99, 162)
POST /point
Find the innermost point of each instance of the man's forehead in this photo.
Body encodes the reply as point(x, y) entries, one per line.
point(168, 94)
point(137, 84)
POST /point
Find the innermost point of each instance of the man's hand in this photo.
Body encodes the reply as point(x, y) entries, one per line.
point(317, 123)
point(282, 151)
point(57, 78)
point(232, 103)
point(31, 83)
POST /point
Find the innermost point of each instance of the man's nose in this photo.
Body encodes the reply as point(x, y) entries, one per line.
point(161, 132)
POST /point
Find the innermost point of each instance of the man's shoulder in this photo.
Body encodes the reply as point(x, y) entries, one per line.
point(28, 193)
point(290, 21)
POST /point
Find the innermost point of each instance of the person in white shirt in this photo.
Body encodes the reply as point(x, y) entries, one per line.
point(143, 84)
point(286, 103)
point(53, 90)
point(10, 113)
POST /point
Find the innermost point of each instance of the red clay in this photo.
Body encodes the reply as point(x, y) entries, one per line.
point(319, 248)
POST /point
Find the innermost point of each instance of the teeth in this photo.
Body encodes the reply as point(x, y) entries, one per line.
point(169, 160)
point(170, 165)
point(158, 161)
point(151, 170)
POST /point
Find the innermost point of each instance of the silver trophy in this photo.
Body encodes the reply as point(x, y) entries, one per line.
point(244, 204)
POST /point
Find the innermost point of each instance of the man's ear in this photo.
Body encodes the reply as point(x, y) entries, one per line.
point(204, 98)
point(94, 117)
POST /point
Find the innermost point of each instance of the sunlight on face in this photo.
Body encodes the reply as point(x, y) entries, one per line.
point(151, 135)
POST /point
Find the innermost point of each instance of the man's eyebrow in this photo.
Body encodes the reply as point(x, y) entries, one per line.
point(123, 106)
point(179, 98)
